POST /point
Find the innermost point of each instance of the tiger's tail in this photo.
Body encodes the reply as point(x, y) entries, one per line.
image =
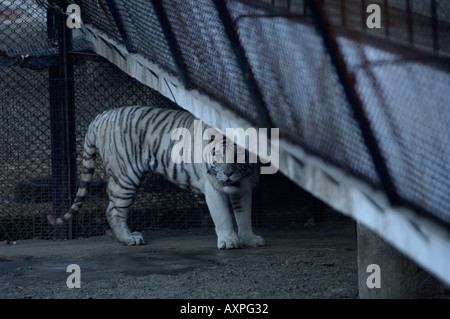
point(89, 154)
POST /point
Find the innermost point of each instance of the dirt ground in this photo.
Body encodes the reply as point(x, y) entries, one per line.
point(315, 262)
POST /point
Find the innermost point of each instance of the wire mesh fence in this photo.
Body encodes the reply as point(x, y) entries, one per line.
point(37, 128)
point(400, 71)
point(31, 93)
point(51, 87)
point(26, 157)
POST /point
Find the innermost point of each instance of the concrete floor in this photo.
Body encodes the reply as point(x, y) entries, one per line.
point(318, 262)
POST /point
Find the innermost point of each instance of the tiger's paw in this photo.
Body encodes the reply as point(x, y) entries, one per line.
point(135, 239)
point(229, 241)
point(253, 240)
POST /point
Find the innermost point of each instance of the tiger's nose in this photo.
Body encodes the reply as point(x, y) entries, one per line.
point(228, 173)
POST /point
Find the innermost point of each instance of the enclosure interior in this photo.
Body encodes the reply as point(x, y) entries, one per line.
point(26, 183)
point(400, 70)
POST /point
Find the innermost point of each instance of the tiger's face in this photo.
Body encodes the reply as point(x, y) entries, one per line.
point(231, 176)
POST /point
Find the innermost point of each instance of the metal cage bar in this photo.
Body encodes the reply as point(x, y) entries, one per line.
point(244, 65)
point(62, 119)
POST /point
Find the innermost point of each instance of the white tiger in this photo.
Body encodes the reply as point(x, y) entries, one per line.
point(134, 140)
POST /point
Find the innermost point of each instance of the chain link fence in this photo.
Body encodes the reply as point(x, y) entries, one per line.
point(46, 105)
point(372, 101)
point(26, 170)
point(31, 93)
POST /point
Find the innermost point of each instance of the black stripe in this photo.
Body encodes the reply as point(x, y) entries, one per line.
point(88, 170)
point(155, 147)
point(184, 119)
point(119, 183)
point(174, 172)
point(156, 125)
point(88, 157)
point(163, 163)
point(120, 211)
point(188, 176)
point(195, 171)
point(130, 197)
point(128, 145)
point(173, 124)
point(116, 147)
point(79, 199)
point(168, 157)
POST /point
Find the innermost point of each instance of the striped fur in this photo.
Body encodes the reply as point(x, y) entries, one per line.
point(132, 141)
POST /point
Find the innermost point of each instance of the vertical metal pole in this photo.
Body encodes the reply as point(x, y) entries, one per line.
point(387, 17)
point(363, 15)
point(343, 13)
point(62, 121)
point(118, 21)
point(434, 24)
point(409, 22)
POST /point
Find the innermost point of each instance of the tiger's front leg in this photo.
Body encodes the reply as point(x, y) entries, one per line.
point(220, 213)
point(242, 207)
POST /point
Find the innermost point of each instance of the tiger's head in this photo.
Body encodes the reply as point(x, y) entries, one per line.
point(230, 175)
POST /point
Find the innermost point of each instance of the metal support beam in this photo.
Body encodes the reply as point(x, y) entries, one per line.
point(244, 65)
point(62, 121)
point(118, 21)
point(172, 42)
point(434, 24)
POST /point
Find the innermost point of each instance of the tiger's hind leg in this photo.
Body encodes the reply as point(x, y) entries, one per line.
point(121, 196)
